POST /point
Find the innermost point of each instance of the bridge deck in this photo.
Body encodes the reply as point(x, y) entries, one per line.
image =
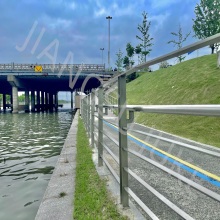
point(49, 77)
point(53, 67)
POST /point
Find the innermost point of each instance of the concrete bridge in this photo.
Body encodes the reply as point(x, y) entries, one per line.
point(44, 81)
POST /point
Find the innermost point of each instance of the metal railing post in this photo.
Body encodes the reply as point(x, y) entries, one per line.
point(106, 111)
point(100, 126)
point(88, 114)
point(92, 117)
point(123, 154)
point(82, 108)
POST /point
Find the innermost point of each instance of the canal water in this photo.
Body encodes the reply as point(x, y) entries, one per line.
point(29, 148)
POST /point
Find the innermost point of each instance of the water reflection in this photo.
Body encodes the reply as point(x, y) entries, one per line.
point(29, 147)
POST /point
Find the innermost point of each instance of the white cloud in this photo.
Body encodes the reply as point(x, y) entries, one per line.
point(159, 19)
point(72, 5)
point(163, 3)
point(167, 3)
point(79, 37)
point(114, 9)
point(100, 12)
point(54, 23)
point(129, 10)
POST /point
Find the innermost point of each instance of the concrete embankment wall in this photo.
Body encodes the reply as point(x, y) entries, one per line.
point(57, 202)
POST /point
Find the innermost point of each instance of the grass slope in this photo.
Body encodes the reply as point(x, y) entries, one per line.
point(91, 198)
point(196, 81)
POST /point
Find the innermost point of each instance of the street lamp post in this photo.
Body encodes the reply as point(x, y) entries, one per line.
point(102, 54)
point(109, 18)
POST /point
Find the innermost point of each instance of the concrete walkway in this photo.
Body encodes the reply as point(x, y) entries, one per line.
point(57, 203)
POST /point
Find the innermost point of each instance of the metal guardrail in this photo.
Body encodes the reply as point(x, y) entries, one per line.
point(88, 118)
point(53, 67)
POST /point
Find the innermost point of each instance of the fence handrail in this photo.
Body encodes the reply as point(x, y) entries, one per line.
point(195, 46)
point(200, 110)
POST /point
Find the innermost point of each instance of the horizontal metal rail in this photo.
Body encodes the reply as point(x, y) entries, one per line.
point(112, 139)
point(96, 116)
point(195, 46)
point(111, 169)
point(200, 110)
point(198, 149)
point(107, 122)
point(110, 123)
point(171, 205)
point(178, 176)
point(111, 153)
point(141, 204)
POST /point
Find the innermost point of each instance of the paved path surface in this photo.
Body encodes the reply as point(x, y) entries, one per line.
point(196, 204)
point(57, 203)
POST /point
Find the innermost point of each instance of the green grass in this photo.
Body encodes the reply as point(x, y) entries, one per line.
point(196, 81)
point(91, 198)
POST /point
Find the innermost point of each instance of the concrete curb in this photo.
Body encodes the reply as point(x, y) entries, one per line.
point(57, 203)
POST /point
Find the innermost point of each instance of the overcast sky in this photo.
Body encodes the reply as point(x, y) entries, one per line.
point(80, 27)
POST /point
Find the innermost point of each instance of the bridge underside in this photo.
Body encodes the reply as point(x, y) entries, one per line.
point(44, 87)
point(49, 83)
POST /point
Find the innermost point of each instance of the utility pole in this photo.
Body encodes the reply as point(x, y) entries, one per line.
point(109, 18)
point(102, 54)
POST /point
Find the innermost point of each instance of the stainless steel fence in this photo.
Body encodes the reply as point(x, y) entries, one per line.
point(89, 115)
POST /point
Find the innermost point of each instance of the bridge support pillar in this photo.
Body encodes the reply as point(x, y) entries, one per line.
point(15, 99)
point(32, 101)
point(4, 102)
point(46, 101)
point(38, 101)
point(71, 100)
point(56, 101)
point(42, 101)
point(27, 101)
point(51, 102)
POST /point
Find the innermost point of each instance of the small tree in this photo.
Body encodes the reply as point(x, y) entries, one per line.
point(145, 36)
point(126, 62)
point(119, 61)
point(21, 98)
point(8, 99)
point(207, 21)
point(130, 53)
point(138, 51)
point(178, 43)
point(131, 77)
